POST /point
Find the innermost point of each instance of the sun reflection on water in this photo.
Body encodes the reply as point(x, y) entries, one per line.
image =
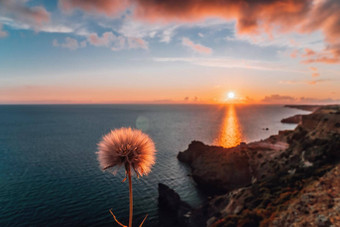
point(230, 133)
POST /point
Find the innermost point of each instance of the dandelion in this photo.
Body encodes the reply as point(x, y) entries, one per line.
point(130, 148)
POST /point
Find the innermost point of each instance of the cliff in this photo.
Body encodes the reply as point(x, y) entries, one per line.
point(288, 179)
point(296, 119)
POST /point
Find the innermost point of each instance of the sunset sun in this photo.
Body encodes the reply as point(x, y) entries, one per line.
point(231, 95)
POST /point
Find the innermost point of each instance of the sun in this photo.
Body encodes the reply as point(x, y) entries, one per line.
point(231, 95)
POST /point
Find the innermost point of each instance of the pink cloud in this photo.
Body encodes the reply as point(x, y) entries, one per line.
point(108, 7)
point(136, 43)
point(106, 39)
point(69, 43)
point(294, 54)
point(196, 47)
point(35, 16)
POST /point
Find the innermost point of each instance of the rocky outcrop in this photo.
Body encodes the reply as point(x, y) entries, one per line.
point(296, 119)
point(219, 170)
point(177, 212)
point(283, 178)
point(213, 174)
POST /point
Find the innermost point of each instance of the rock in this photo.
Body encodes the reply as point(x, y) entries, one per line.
point(238, 165)
point(168, 198)
point(213, 174)
point(296, 119)
point(175, 211)
point(322, 221)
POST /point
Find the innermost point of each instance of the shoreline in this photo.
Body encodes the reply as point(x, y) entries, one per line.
point(293, 157)
point(311, 108)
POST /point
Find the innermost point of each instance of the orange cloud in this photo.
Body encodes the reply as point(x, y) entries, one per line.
point(294, 54)
point(313, 69)
point(313, 82)
point(108, 7)
point(196, 47)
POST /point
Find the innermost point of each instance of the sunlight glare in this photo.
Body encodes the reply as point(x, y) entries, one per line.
point(231, 95)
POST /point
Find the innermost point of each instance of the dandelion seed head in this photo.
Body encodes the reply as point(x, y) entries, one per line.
point(126, 147)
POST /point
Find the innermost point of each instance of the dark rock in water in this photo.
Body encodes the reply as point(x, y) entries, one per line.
point(296, 119)
point(175, 211)
point(168, 198)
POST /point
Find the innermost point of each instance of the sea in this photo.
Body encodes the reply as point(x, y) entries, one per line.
point(50, 176)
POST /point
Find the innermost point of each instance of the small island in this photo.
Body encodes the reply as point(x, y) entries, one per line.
point(287, 179)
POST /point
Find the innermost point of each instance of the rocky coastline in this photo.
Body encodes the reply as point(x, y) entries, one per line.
point(289, 179)
point(296, 119)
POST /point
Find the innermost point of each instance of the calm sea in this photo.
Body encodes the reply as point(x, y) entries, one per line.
point(49, 175)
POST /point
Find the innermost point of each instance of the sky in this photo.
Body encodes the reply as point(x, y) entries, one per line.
point(170, 51)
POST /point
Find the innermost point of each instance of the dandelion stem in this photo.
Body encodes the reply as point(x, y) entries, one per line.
point(131, 196)
point(116, 219)
point(141, 224)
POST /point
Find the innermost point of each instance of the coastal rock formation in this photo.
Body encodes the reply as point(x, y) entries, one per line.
point(170, 202)
point(290, 179)
point(296, 119)
point(216, 174)
point(219, 170)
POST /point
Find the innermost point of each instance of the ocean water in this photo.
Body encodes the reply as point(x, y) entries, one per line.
point(49, 175)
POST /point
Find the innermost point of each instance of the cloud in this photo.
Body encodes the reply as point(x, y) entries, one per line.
point(59, 25)
point(69, 43)
point(315, 72)
point(34, 16)
point(167, 34)
point(198, 48)
point(313, 69)
point(232, 63)
point(251, 17)
point(108, 7)
point(116, 42)
point(283, 99)
point(105, 40)
point(137, 43)
point(139, 29)
point(2, 32)
point(278, 99)
point(309, 82)
point(294, 53)
point(313, 82)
